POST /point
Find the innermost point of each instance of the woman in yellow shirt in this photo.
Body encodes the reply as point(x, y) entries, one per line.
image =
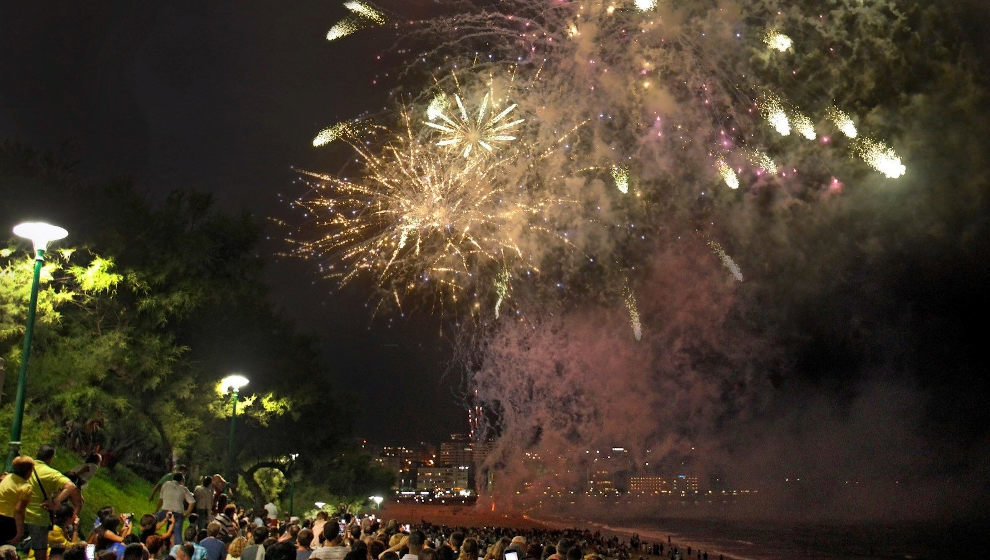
point(15, 495)
point(64, 533)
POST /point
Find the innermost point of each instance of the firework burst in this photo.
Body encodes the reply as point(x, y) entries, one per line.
point(468, 199)
point(461, 130)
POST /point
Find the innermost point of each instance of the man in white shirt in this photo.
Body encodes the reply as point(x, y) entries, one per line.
point(177, 499)
point(414, 542)
point(331, 543)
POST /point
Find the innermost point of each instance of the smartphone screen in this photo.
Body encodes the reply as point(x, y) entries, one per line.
point(90, 551)
point(511, 555)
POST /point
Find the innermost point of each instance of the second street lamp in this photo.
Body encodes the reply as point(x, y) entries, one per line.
point(41, 234)
point(233, 384)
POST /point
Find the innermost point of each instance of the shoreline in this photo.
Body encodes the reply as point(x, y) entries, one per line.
point(478, 515)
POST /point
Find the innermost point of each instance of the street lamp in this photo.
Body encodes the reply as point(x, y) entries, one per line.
point(41, 234)
point(233, 384)
point(292, 483)
point(377, 500)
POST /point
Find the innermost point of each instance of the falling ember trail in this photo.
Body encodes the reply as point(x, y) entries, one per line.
point(726, 260)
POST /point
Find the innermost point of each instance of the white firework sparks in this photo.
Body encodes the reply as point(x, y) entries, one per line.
point(646, 5)
point(728, 174)
point(803, 125)
point(842, 121)
point(773, 111)
point(777, 40)
point(879, 156)
point(620, 174)
point(331, 133)
point(461, 130)
point(366, 11)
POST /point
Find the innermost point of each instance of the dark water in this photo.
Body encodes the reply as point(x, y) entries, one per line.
point(781, 540)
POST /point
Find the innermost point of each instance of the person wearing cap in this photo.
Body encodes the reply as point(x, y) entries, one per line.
point(219, 485)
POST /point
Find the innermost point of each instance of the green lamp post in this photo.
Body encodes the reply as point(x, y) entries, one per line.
point(41, 234)
point(233, 384)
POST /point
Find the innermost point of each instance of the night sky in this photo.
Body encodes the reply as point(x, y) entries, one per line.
point(870, 312)
point(225, 99)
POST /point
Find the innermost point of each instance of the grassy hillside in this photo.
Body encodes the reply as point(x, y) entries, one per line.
point(121, 488)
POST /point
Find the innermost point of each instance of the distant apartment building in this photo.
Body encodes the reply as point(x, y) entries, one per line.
point(443, 478)
point(684, 484)
point(648, 485)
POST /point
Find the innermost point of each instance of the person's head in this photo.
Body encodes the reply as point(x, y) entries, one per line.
point(8, 552)
point(534, 550)
point(259, 534)
point(155, 544)
point(147, 522)
point(322, 515)
point(456, 539)
point(391, 556)
point(356, 555)
point(106, 555)
point(135, 551)
point(63, 513)
point(280, 551)
point(563, 545)
point(178, 477)
point(331, 530)
point(185, 551)
point(207, 480)
point(190, 533)
point(45, 453)
point(94, 458)
point(75, 552)
point(304, 538)
point(427, 554)
point(218, 482)
point(213, 529)
point(375, 548)
point(181, 468)
point(22, 466)
point(268, 542)
point(111, 524)
point(415, 541)
point(360, 545)
point(574, 553)
point(230, 510)
point(469, 549)
point(236, 547)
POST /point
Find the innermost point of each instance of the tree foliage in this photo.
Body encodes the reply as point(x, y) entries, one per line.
point(143, 309)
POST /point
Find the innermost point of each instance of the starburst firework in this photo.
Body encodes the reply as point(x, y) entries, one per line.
point(464, 131)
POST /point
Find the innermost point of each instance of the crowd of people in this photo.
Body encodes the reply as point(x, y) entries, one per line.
point(39, 518)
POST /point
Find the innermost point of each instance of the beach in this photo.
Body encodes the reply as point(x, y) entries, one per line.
point(733, 539)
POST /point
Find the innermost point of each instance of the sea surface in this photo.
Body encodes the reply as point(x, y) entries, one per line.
point(779, 540)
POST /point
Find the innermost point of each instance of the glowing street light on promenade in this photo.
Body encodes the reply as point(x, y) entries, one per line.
point(377, 501)
point(41, 234)
point(233, 384)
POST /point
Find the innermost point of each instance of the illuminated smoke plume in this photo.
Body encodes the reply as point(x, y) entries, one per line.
point(498, 187)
